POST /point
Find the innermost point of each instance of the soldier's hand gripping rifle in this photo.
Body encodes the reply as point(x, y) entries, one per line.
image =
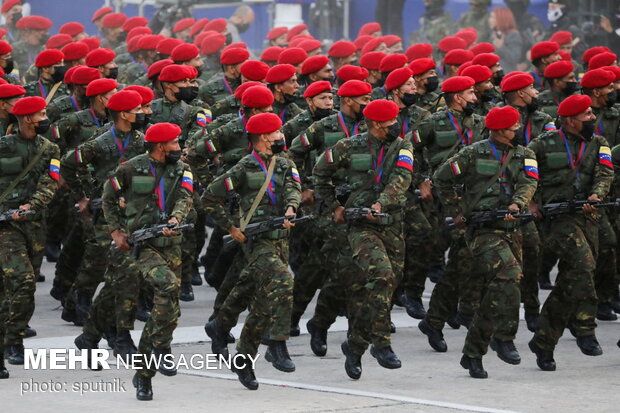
point(358, 214)
point(139, 237)
point(8, 215)
point(479, 218)
point(269, 225)
point(570, 207)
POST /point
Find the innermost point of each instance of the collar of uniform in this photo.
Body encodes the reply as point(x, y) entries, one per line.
point(573, 137)
point(121, 134)
point(500, 146)
point(263, 155)
point(460, 115)
point(376, 142)
point(155, 162)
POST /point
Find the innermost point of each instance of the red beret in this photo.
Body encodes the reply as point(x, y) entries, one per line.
point(469, 34)
point(166, 45)
point(92, 43)
point(34, 23)
point(83, 75)
point(8, 91)
point(218, 25)
point(369, 28)
point(397, 78)
point(183, 24)
point(596, 78)
point(28, 106)
point(234, 56)
point(458, 57)
point(133, 22)
point(280, 73)
point(2, 81)
point(316, 88)
point(483, 47)
point(136, 31)
point(574, 105)
point(362, 40)
point(558, 69)
point(124, 101)
point(593, 51)
point(57, 41)
point(100, 86)
point(350, 72)
point(296, 41)
point(421, 65)
point(292, 56)
point(203, 35)
point(149, 41)
point(254, 69)
point(184, 52)
point(310, 44)
point(352, 88)
point(271, 54)
point(295, 30)
point(342, 48)
point(9, 4)
point(146, 92)
point(372, 60)
point(393, 62)
point(75, 51)
point(501, 118)
point(113, 20)
point(371, 45)
point(198, 27)
point(246, 85)
point(175, 73)
point(264, 123)
point(101, 12)
point(156, 68)
point(542, 49)
point(463, 67)
point(99, 57)
point(565, 55)
point(391, 39)
point(615, 70)
point(132, 44)
point(477, 72)
point(562, 37)
point(457, 84)
point(516, 81)
point(257, 97)
point(68, 80)
point(237, 45)
point(602, 59)
point(486, 59)
point(381, 110)
point(418, 51)
point(450, 43)
point(5, 47)
point(277, 32)
point(162, 132)
point(71, 28)
point(49, 57)
point(314, 64)
point(212, 44)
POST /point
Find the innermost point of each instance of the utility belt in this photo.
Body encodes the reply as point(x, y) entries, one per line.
point(394, 218)
point(276, 234)
point(507, 226)
point(165, 242)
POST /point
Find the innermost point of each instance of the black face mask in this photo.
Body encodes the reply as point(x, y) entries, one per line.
point(588, 129)
point(393, 132)
point(409, 99)
point(468, 109)
point(10, 65)
point(12, 118)
point(174, 156)
point(533, 105)
point(16, 17)
point(147, 119)
point(113, 73)
point(518, 138)
point(42, 126)
point(612, 98)
point(278, 146)
point(571, 87)
point(242, 28)
point(59, 74)
point(487, 96)
point(288, 98)
point(497, 77)
point(228, 38)
point(140, 122)
point(360, 115)
point(121, 37)
point(320, 113)
point(432, 83)
point(199, 70)
point(187, 93)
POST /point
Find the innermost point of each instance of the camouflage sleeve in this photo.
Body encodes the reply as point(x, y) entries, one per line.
point(292, 187)
point(65, 128)
point(113, 190)
point(200, 118)
point(401, 176)
point(183, 195)
point(48, 181)
point(603, 170)
point(301, 147)
point(75, 160)
point(217, 192)
point(424, 134)
point(615, 157)
point(527, 180)
point(326, 166)
point(448, 174)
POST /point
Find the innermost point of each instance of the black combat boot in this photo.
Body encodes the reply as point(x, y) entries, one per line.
point(506, 351)
point(476, 370)
point(464, 319)
point(144, 390)
point(277, 355)
point(414, 307)
point(544, 358)
point(52, 251)
point(435, 336)
point(110, 337)
point(245, 373)
point(544, 282)
point(605, 312)
point(30, 332)
point(453, 322)
point(531, 320)
point(352, 363)
point(82, 307)
point(392, 327)
point(589, 345)
point(58, 292)
point(218, 338)
point(295, 317)
point(386, 357)
point(4, 373)
point(318, 339)
point(435, 274)
point(615, 302)
point(143, 312)
point(166, 363)
point(196, 278)
point(86, 342)
point(15, 354)
point(124, 345)
point(187, 292)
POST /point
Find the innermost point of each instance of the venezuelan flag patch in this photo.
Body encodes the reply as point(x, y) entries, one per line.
point(531, 168)
point(415, 137)
point(55, 169)
point(604, 157)
point(210, 146)
point(204, 118)
point(187, 181)
point(550, 126)
point(115, 184)
point(305, 141)
point(456, 169)
point(295, 175)
point(329, 156)
point(229, 184)
point(78, 156)
point(405, 159)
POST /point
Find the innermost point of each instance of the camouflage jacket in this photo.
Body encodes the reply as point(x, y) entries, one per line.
point(64, 105)
point(217, 89)
point(190, 118)
point(229, 104)
point(78, 127)
point(25, 55)
point(608, 123)
point(131, 72)
point(286, 111)
point(41, 88)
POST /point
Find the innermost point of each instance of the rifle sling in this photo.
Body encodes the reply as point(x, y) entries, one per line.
point(259, 196)
point(571, 176)
point(50, 96)
point(25, 171)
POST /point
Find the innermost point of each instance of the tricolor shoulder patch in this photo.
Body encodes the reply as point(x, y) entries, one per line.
point(405, 159)
point(228, 183)
point(304, 140)
point(295, 175)
point(204, 118)
point(78, 156)
point(415, 137)
point(187, 181)
point(210, 146)
point(604, 156)
point(115, 184)
point(55, 169)
point(456, 169)
point(531, 168)
point(329, 156)
point(550, 126)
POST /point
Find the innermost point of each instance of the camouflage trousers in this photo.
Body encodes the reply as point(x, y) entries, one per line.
point(575, 239)
point(380, 253)
point(605, 277)
point(498, 259)
point(267, 265)
point(59, 213)
point(231, 308)
point(188, 248)
point(22, 245)
point(419, 248)
point(4, 311)
point(68, 263)
point(531, 263)
point(161, 269)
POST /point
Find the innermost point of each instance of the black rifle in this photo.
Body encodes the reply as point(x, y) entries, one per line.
point(342, 192)
point(269, 225)
point(137, 238)
point(95, 207)
point(571, 207)
point(358, 214)
point(479, 218)
point(8, 215)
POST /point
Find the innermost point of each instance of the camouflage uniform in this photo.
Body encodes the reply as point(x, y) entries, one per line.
point(549, 102)
point(286, 111)
point(24, 56)
point(496, 247)
point(572, 236)
point(228, 105)
point(297, 125)
point(433, 29)
point(64, 105)
point(217, 89)
point(42, 89)
point(477, 20)
point(159, 262)
point(131, 72)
